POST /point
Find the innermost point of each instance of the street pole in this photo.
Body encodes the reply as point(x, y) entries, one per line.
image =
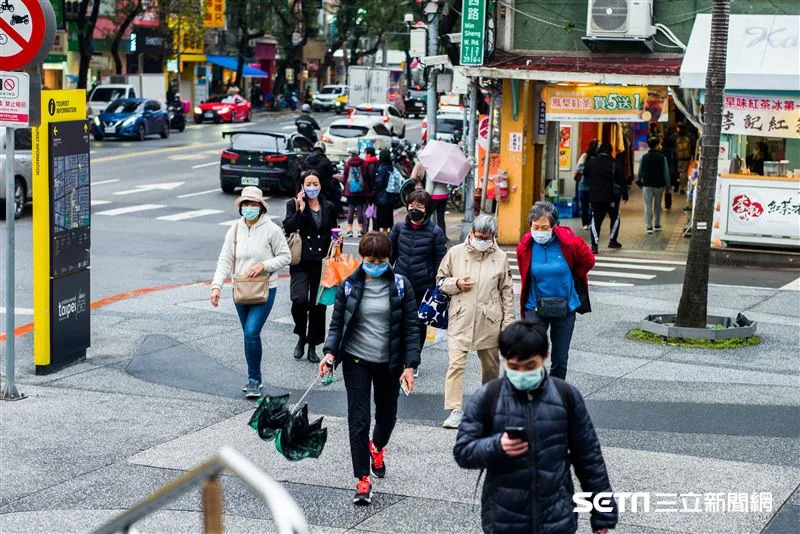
point(432, 10)
point(485, 184)
point(469, 186)
point(10, 389)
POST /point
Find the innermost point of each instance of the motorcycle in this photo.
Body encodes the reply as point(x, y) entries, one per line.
point(404, 157)
point(19, 19)
point(177, 118)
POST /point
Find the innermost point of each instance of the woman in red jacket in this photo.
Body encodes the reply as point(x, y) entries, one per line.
point(554, 264)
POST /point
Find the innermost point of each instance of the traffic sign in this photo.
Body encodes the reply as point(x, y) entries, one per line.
point(22, 31)
point(473, 32)
point(14, 99)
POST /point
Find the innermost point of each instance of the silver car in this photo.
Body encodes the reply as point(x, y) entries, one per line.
point(22, 171)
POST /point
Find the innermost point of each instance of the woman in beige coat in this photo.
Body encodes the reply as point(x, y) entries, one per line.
point(477, 276)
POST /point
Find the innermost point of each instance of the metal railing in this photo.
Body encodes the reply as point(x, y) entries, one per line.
point(286, 514)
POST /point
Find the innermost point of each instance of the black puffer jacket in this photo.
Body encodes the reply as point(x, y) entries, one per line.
point(417, 253)
point(533, 493)
point(404, 326)
point(318, 162)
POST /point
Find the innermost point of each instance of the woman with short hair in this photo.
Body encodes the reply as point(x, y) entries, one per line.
point(253, 246)
point(554, 265)
point(477, 276)
point(374, 335)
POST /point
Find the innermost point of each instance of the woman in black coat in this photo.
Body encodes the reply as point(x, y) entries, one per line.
point(314, 217)
point(373, 334)
point(418, 246)
point(384, 201)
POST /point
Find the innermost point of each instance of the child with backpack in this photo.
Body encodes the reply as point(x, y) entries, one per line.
point(356, 190)
point(526, 429)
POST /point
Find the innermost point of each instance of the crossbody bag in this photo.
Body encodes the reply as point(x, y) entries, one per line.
point(549, 307)
point(248, 290)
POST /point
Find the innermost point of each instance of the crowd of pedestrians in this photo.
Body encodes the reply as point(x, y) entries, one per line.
point(525, 426)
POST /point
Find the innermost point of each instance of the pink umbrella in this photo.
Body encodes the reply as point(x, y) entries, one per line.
point(444, 162)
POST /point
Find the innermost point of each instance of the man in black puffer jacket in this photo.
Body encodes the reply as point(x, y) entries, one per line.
point(529, 489)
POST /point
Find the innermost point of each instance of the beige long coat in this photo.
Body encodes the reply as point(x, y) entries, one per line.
point(477, 316)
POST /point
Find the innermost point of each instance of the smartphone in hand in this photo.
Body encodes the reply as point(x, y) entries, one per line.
point(404, 387)
point(517, 432)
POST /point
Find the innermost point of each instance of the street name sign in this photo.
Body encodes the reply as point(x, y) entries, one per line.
point(430, 61)
point(473, 31)
point(14, 99)
point(22, 32)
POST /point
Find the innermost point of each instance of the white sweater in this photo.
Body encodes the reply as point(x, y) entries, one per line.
point(263, 243)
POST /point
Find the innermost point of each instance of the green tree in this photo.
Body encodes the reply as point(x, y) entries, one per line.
point(295, 22)
point(368, 23)
point(86, 22)
point(128, 11)
point(693, 305)
point(248, 20)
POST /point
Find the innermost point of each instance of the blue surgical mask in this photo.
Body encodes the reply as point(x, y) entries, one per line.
point(311, 192)
point(542, 237)
point(375, 271)
point(251, 213)
point(525, 380)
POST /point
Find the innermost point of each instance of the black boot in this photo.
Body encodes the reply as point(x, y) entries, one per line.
point(299, 349)
point(312, 354)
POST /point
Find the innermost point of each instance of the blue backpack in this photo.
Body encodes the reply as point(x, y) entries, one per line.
point(355, 181)
point(395, 184)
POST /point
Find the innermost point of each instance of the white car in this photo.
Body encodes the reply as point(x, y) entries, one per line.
point(22, 171)
point(344, 134)
point(102, 95)
point(387, 112)
point(447, 122)
point(327, 97)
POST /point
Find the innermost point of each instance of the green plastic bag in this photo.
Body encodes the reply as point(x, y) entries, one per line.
point(327, 295)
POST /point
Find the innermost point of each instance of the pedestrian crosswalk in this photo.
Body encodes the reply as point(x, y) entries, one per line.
point(610, 271)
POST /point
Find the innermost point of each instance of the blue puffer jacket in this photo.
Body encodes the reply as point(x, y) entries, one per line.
point(533, 493)
point(417, 253)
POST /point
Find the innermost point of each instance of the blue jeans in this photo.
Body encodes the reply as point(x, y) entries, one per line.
point(560, 338)
point(253, 317)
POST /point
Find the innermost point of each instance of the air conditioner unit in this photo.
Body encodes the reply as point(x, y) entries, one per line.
point(620, 19)
point(505, 25)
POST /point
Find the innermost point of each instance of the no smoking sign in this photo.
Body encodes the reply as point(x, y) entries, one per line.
point(14, 99)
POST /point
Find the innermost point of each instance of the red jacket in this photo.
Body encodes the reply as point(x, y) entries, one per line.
point(574, 249)
point(356, 161)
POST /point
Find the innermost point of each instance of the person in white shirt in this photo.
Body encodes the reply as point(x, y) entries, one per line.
point(253, 246)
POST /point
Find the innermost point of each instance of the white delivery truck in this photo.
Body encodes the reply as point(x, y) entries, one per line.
point(367, 85)
point(150, 86)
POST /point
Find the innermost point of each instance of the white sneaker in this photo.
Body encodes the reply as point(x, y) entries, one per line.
point(453, 420)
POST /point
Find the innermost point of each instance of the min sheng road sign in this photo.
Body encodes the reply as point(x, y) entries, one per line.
point(14, 99)
point(22, 32)
point(473, 31)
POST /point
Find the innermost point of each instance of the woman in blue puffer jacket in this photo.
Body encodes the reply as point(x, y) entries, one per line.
point(528, 485)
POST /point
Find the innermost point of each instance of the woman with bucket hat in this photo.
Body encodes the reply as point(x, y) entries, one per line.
point(254, 246)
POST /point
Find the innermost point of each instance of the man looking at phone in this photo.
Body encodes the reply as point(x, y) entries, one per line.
point(477, 276)
point(525, 430)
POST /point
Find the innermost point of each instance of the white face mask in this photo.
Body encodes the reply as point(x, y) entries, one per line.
point(542, 237)
point(482, 245)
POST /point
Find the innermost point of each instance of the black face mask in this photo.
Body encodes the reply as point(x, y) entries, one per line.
point(416, 215)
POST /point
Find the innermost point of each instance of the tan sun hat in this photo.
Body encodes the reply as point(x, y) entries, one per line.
point(253, 194)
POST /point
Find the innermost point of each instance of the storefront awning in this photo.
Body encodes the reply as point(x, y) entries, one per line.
point(231, 63)
point(650, 69)
point(762, 53)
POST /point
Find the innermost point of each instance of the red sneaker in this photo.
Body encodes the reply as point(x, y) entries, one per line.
point(378, 466)
point(363, 494)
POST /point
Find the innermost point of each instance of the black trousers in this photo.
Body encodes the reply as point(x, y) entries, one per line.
point(441, 207)
point(586, 211)
point(309, 317)
point(360, 379)
point(599, 212)
point(423, 328)
point(667, 199)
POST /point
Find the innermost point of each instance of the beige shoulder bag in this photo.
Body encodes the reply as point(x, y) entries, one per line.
point(295, 241)
point(248, 290)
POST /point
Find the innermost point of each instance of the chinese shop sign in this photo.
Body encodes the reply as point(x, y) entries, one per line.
point(767, 211)
point(214, 16)
point(606, 103)
point(762, 115)
point(473, 31)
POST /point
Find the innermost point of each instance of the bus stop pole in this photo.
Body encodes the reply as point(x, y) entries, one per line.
point(10, 389)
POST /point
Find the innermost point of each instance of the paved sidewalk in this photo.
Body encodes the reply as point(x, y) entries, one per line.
point(160, 392)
